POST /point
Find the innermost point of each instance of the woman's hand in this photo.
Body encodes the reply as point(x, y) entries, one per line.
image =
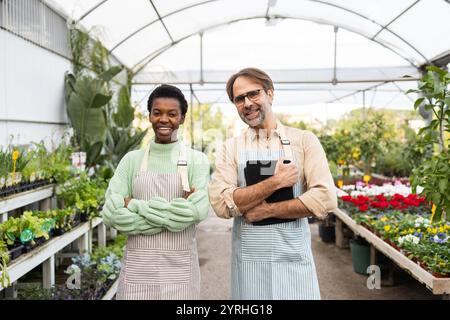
point(127, 201)
point(188, 193)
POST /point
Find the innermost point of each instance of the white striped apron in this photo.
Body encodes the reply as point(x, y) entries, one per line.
point(163, 266)
point(272, 261)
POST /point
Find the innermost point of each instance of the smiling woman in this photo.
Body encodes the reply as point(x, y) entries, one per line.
point(167, 108)
point(157, 197)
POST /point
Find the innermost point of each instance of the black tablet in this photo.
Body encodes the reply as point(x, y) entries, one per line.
point(259, 170)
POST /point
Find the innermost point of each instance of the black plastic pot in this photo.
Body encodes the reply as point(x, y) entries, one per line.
point(27, 247)
point(84, 217)
point(15, 252)
point(327, 233)
point(39, 241)
point(57, 232)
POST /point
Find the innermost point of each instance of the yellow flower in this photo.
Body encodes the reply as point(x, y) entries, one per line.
point(383, 219)
point(387, 228)
point(435, 230)
point(433, 211)
point(429, 230)
point(418, 230)
point(15, 155)
point(367, 178)
point(410, 230)
point(341, 162)
point(441, 229)
point(340, 184)
point(403, 232)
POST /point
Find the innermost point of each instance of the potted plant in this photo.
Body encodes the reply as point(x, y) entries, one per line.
point(360, 250)
point(327, 230)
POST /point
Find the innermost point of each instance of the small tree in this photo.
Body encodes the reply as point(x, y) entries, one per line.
point(433, 175)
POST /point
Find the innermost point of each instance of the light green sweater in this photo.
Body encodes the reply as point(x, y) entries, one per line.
point(157, 214)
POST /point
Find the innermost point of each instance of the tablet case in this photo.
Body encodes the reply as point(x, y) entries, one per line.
point(260, 170)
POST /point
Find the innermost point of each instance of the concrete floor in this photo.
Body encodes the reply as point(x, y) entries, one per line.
point(337, 279)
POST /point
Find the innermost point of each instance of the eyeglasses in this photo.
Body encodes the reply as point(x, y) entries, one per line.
point(252, 95)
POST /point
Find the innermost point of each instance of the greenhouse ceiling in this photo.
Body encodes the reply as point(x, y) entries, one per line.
point(327, 49)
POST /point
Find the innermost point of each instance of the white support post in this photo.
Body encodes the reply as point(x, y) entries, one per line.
point(3, 217)
point(101, 235)
point(48, 273)
point(113, 233)
point(89, 234)
point(44, 205)
point(83, 243)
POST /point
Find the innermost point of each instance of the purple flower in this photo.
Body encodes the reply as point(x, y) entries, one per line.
point(418, 234)
point(439, 238)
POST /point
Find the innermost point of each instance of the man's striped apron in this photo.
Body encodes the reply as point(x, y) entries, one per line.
point(272, 261)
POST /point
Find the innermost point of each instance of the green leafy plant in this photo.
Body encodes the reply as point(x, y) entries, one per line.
point(83, 194)
point(433, 175)
point(62, 218)
point(5, 280)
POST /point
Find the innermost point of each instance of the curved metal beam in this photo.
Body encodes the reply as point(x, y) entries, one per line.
point(153, 55)
point(382, 27)
point(156, 20)
point(92, 9)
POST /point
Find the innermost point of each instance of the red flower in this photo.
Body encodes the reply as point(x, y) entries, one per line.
point(397, 197)
point(381, 197)
point(363, 208)
point(346, 198)
point(363, 198)
point(395, 204)
point(380, 204)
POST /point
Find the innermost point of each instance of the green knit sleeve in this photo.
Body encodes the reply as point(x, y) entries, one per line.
point(180, 213)
point(114, 213)
point(157, 214)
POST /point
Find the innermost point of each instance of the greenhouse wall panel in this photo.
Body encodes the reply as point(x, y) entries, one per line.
point(35, 70)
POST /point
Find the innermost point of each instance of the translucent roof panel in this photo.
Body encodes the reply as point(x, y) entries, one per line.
point(149, 40)
point(286, 95)
point(425, 29)
point(291, 44)
point(321, 12)
point(375, 9)
point(212, 13)
point(132, 16)
point(294, 40)
point(75, 9)
point(410, 28)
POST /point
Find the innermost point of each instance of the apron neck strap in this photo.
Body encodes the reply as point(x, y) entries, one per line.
point(182, 168)
point(182, 165)
point(285, 143)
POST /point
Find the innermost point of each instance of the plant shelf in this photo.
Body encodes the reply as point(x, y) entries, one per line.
point(112, 291)
point(46, 253)
point(25, 198)
point(435, 284)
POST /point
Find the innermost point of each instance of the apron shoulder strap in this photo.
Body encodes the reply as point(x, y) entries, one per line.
point(182, 167)
point(285, 143)
point(144, 162)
